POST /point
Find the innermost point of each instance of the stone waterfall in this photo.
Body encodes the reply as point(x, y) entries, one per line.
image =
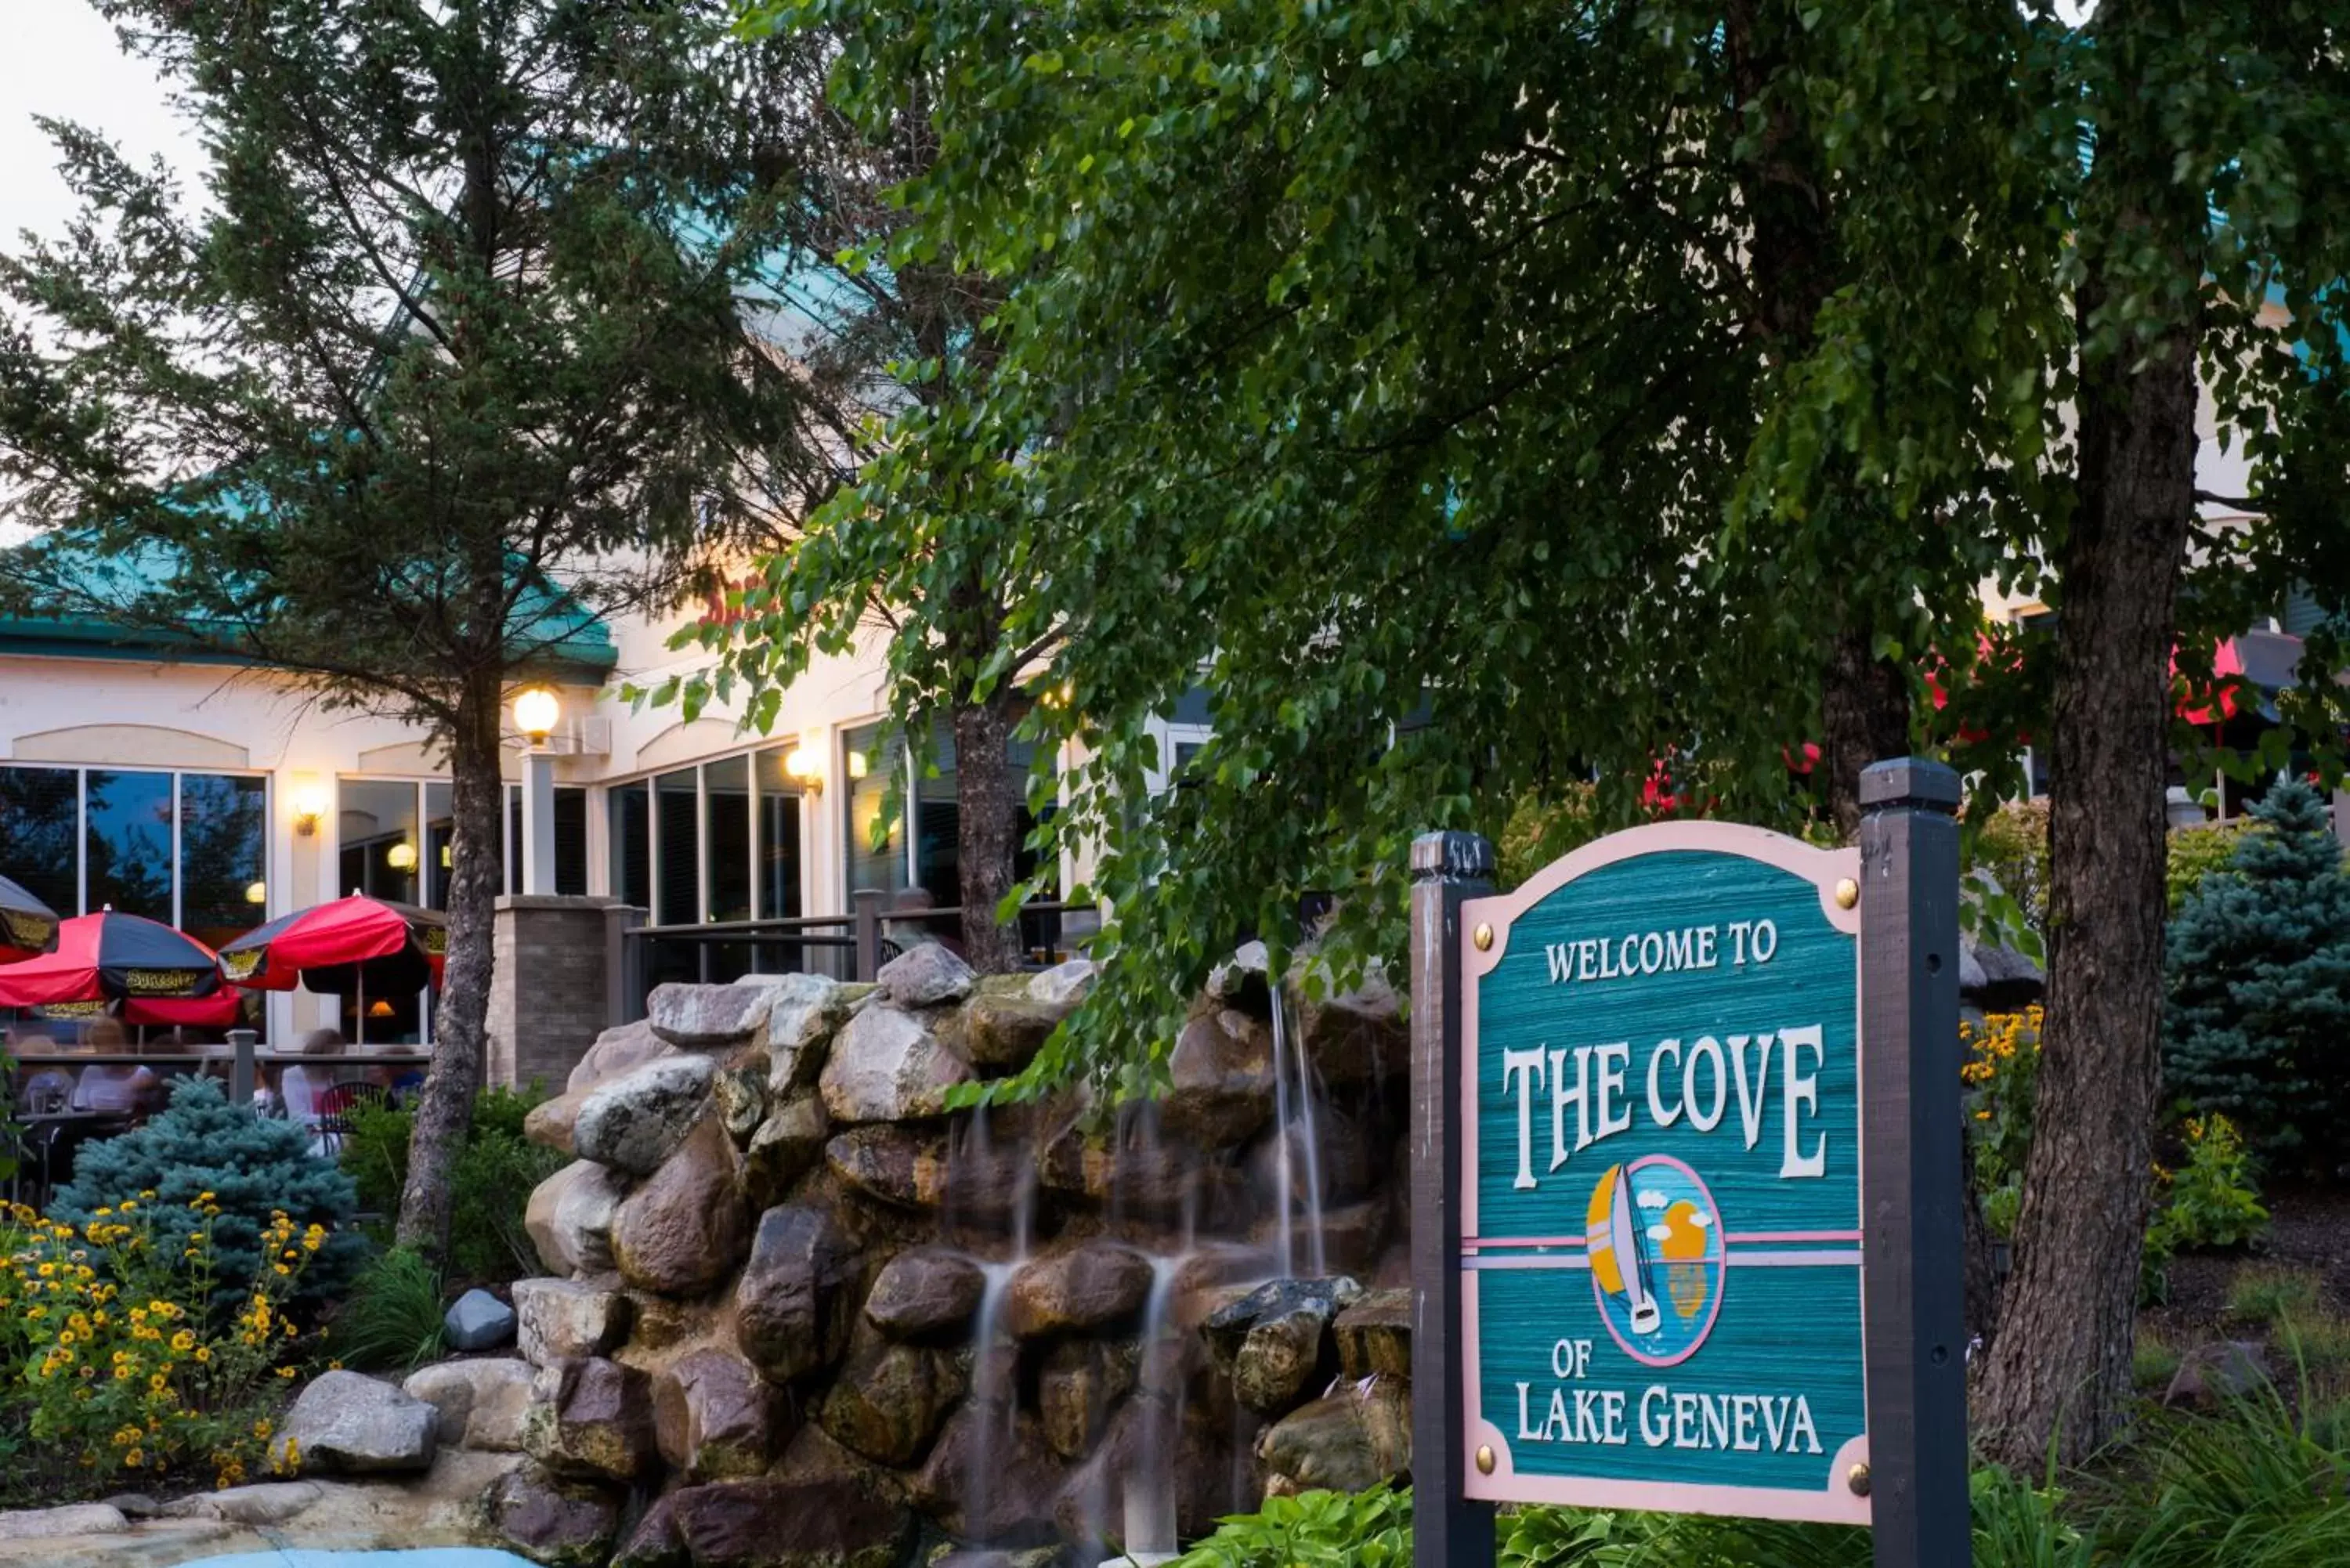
point(799, 1313)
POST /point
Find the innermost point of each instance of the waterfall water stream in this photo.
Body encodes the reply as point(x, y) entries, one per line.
point(1297, 1142)
point(994, 1360)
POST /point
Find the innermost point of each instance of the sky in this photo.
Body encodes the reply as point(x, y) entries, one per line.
point(60, 59)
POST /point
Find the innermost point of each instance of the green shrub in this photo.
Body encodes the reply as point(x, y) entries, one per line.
point(393, 1321)
point(2192, 854)
point(255, 1167)
point(2315, 1341)
point(2213, 1200)
point(2270, 1295)
point(2258, 975)
point(2248, 1489)
point(2012, 844)
point(493, 1179)
point(1314, 1530)
point(1540, 830)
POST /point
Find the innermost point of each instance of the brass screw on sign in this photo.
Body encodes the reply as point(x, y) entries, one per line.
point(1847, 893)
point(1484, 1454)
point(1858, 1481)
point(1482, 936)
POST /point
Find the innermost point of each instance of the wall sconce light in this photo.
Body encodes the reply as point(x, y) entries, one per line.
point(804, 768)
point(379, 1008)
point(309, 805)
point(257, 892)
point(537, 713)
point(856, 764)
point(401, 857)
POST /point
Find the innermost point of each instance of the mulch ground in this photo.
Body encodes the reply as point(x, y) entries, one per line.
point(2309, 1228)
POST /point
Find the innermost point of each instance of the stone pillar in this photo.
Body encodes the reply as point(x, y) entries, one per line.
point(551, 993)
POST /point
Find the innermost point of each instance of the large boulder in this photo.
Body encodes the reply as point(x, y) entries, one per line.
point(926, 975)
point(740, 1097)
point(566, 1523)
point(1064, 985)
point(1357, 1437)
point(1219, 1079)
point(1090, 1286)
point(560, 1320)
point(925, 1294)
point(549, 1123)
point(684, 1229)
point(784, 1148)
point(708, 1017)
point(618, 1050)
point(1272, 1343)
point(1000, 1030)
point(481, 1404)
point(477, 1321)
point(1239, 980)
point(789, 1523)
point(2005, 979)
point(890, 1399)
point(887, 1066)
point(597, 1422)
point(637, 1120)
point(344, 1423)
point(1081, 1381)
point(804, 1011)
point(1374, 1335)
point(991, 1479)
point(713, 1419)
point(2213, 1376)
point(569, 1217)
point(895, 1165)
point(792, 1315)
point(1352, 1037)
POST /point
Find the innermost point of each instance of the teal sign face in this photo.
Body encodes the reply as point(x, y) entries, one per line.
point(1661, 1241)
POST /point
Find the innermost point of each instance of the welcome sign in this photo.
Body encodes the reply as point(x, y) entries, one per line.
point(1660, 1180)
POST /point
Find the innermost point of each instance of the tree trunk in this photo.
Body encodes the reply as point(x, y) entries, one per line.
point(1865, 719)
point(987, 831)
point(2060, 1367)
point(444, 1110)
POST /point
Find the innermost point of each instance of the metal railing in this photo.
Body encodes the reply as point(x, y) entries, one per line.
point(851, 947)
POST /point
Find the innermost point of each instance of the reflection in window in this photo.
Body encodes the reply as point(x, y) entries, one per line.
point(677, 849)
point(223, 822)
point(626, 807)
point(40, 821)
point(938, 822)
point(870, 774)
point(779, 837)
point(570, 839)
point(377, 840)
point(727, 817)
point(440, 839)
point(126, 838)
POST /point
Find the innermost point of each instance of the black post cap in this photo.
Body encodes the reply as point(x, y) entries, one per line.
point(1909, 781)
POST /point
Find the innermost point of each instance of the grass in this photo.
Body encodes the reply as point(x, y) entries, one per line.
point(2268, 1295)
point(2317, 1342)
point(2154, 1360)
point(392, 1320)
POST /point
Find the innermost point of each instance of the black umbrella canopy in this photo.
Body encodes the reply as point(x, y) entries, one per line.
point(29, 927)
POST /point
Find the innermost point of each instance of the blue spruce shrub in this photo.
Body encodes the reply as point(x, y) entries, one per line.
point(252, 1165)
point(2258, 976)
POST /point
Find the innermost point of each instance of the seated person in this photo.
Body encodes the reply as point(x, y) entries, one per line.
point(112, 1089)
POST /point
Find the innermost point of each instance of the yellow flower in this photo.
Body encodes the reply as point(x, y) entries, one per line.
point(134, 1458)
point(204, 1353)
point(184, 1342)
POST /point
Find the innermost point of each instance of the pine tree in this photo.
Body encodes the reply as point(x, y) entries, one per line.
point(2258, 974)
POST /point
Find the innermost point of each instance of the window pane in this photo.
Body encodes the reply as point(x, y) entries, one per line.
point(126, 834)
point(571, 840)
point(512, 882)
point(938, 822)
point(632, 851)
point(439, 834)
point(222, 826)
point(678, 889)
point(39, 820)
point(869, 776)
point(726, 786)
point(376, 839)
point(779, 838)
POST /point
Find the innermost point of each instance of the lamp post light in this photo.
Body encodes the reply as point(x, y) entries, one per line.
point(537, 713)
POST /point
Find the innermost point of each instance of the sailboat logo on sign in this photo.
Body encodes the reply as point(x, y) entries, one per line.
point(1654, 1239)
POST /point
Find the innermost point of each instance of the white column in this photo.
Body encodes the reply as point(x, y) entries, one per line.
point(538, 820)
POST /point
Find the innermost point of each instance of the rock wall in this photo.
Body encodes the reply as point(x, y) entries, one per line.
point(797, 1314)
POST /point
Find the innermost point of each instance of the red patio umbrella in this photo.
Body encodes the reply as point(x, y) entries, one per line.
point(29, 927)
point(150, 972)
point(352, 945)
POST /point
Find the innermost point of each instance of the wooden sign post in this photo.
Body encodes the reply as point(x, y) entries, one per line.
point(1686, 1180)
